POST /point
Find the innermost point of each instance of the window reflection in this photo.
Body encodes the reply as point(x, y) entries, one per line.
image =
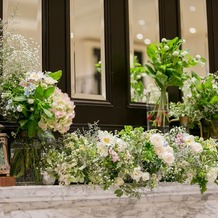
point(144, 29)
point(87, 49)
point(26, 20)
point(194, 30)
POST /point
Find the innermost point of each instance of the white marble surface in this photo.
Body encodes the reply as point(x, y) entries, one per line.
point(168, 201)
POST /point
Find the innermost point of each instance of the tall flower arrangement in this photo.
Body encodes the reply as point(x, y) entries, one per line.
point(166, 65)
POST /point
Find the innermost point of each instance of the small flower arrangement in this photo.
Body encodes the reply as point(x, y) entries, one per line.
point(36, 103)
point(131, 159)
point(200, 98)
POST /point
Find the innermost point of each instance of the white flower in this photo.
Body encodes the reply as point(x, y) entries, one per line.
point(145, 176)
point(119, 181)
point(137, 174)
point(122, 145)
point(30, 101)
point(184, 53)
point(168, 158)
point(163, 40)
point(159, 150)
point(196, 147)
point(106, 138)
point(36, 76)
point(50, 80)
point(175, 53)
point(169, 149)
point(157, 139)
point(102, 149)
point(212, 174)
point(188, 139)
point(198, 57)
point(166, 47)
point(47, 179)
point(19, 108)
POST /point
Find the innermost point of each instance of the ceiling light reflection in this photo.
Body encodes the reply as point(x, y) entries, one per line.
point(139, 36)
point(192, 30)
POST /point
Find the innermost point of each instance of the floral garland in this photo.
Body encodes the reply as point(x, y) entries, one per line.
point(132, 159)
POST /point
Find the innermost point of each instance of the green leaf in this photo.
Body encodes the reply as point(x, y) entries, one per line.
point(20, 98)
point(48, 113)
point(150, 71)
point(39, 91)
point(214, 100)
point(118, 192)
point(23, 122)
point(161, 78)
point(151, 51)
point(49, 91)
point(32, 127)
point(56, 75)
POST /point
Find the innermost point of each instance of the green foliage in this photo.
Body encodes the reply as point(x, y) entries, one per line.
point(200, 99)
point(167, 62)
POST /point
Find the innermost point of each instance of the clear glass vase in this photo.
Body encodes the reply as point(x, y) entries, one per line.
point(157, 114)
point(209, 129)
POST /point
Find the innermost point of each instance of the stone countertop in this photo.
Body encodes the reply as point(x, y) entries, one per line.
point(169, 200)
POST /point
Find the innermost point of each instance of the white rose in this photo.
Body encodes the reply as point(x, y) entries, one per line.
point(159, 150)
point(137, 174)
point(168, 158)
point(188, 139)
point(196, 147)
point(157, 139)
point(145, 176)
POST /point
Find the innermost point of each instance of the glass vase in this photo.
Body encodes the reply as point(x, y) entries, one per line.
point(209, 129)
point(25, 154)
point(157, 114)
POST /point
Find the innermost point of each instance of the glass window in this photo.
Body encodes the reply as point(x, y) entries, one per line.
point(194, 30)
point(144, 29)
point(26, 20)
point(87, 49)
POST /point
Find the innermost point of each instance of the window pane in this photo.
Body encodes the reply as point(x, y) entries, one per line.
point(87, 49)
point(144, 29)
point(194, 30)
point(26, 20)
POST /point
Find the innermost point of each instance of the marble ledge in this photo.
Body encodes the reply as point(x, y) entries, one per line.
point(170, 200)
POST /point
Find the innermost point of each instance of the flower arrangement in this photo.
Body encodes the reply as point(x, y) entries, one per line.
point(166, 65)
point(31, 100)
point(36, 103)
point(27, 96)
point(199, 101)
point(132, 159)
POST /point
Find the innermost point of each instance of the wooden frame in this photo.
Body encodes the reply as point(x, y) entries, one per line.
point(5, 167)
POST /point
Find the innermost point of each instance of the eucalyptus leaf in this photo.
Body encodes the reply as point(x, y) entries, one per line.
point(20, 98)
